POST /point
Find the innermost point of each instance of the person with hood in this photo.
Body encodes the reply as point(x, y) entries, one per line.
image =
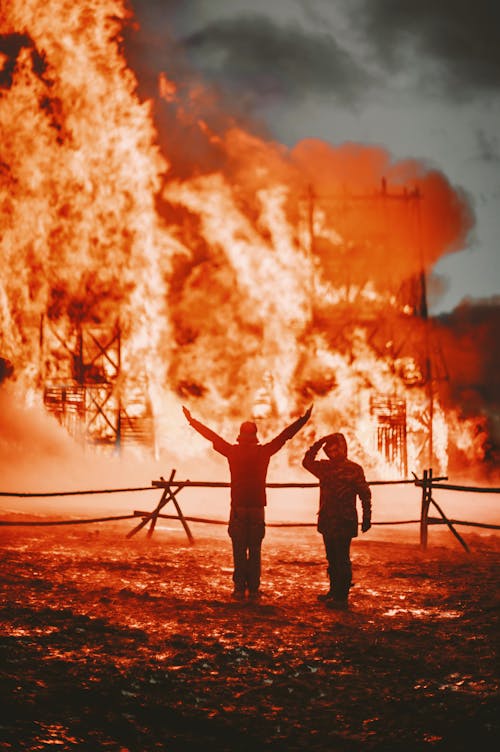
point(248, 464)
point(341, 482)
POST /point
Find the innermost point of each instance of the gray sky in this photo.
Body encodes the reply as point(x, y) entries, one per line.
point(419, 77)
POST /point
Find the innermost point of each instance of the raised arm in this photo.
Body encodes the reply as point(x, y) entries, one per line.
point(206, 432)
point(290, 431)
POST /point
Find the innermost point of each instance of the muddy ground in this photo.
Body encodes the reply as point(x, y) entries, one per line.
point(109, 644)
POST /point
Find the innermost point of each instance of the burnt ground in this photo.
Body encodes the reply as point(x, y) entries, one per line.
point(108, 644)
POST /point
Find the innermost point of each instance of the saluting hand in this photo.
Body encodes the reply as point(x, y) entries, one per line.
point(318, 444)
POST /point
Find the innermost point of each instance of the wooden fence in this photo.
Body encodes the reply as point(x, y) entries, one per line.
point(171, 488)
point(428, 484)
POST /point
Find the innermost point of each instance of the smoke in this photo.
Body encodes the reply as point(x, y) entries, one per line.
point(443, 214)
point(468, 341)
point(260, 58)
point(458, 39)
point(37, 455)
point(28, 433)
point(245, 276)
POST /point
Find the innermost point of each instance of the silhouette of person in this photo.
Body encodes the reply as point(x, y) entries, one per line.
point(340, 481)
point(248, 464)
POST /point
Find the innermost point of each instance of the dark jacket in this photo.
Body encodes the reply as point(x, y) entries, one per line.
point(340, 481)
point(248, 463)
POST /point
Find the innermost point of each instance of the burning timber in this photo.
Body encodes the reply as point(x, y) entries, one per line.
point(251, 285)
point(80, 374)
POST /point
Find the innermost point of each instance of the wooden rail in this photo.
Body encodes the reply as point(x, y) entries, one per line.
point(172, 487)
point(428, 483)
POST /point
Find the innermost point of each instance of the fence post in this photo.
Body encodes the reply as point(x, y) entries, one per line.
point(450, 525)
point(424, 509)
point(166, 496)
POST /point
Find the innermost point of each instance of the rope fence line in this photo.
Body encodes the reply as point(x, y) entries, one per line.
point(438, 521)
point(47, 494)
point(51, 523)
point(206, 520)
point(427, 484)
point(187, 484)
point(448, 487)
point(209, 521)
point(217, 484)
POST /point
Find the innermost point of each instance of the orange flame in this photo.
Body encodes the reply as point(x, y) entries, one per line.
point(280, 278)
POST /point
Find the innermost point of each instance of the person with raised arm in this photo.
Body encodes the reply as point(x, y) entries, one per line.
point(248, 465)
point(341, 482)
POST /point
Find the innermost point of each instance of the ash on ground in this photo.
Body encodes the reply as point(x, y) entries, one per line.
point(135, 645)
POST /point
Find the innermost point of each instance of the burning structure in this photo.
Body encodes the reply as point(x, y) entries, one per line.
point(251, 283)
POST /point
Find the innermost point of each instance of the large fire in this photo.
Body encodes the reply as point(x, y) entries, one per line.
point(281, 278)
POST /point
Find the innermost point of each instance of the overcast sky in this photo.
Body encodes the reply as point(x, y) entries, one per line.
point(419, 77)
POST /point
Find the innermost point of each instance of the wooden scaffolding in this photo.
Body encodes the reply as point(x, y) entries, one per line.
point(83, 386)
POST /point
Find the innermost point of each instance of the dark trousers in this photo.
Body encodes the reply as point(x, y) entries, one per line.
point(247, 533)
point(339, 565)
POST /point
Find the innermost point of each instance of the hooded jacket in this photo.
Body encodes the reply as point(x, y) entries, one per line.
point(340, 481)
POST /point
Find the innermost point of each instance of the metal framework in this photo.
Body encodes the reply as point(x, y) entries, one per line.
point(400, 333)
point(390, 413)
point(80, 374)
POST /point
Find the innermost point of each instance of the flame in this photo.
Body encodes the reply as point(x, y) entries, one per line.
point(82, 237)
point(269, 280)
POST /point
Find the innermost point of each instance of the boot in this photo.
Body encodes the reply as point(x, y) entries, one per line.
point(328, 596)
point(337, 604)
point(323, 597)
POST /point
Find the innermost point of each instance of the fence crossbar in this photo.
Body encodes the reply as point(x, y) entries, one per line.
point(450, 525)
point(472, 489)
point(205, 484)
point(210, 521)
point(440, 521)
point(49, 523)
point(48, 494)
point(428, 483)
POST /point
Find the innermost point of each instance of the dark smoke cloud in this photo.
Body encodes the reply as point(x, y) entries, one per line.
point(451, 48)
point(153, 48)
point(459, 38)
point(150, 42)
point(488, 148)
point(248, 55)
point(260, 58)
point(241, 62)
point(468, 338)
point(472, 329)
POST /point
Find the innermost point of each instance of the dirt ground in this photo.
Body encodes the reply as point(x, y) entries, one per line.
point(109, 644)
